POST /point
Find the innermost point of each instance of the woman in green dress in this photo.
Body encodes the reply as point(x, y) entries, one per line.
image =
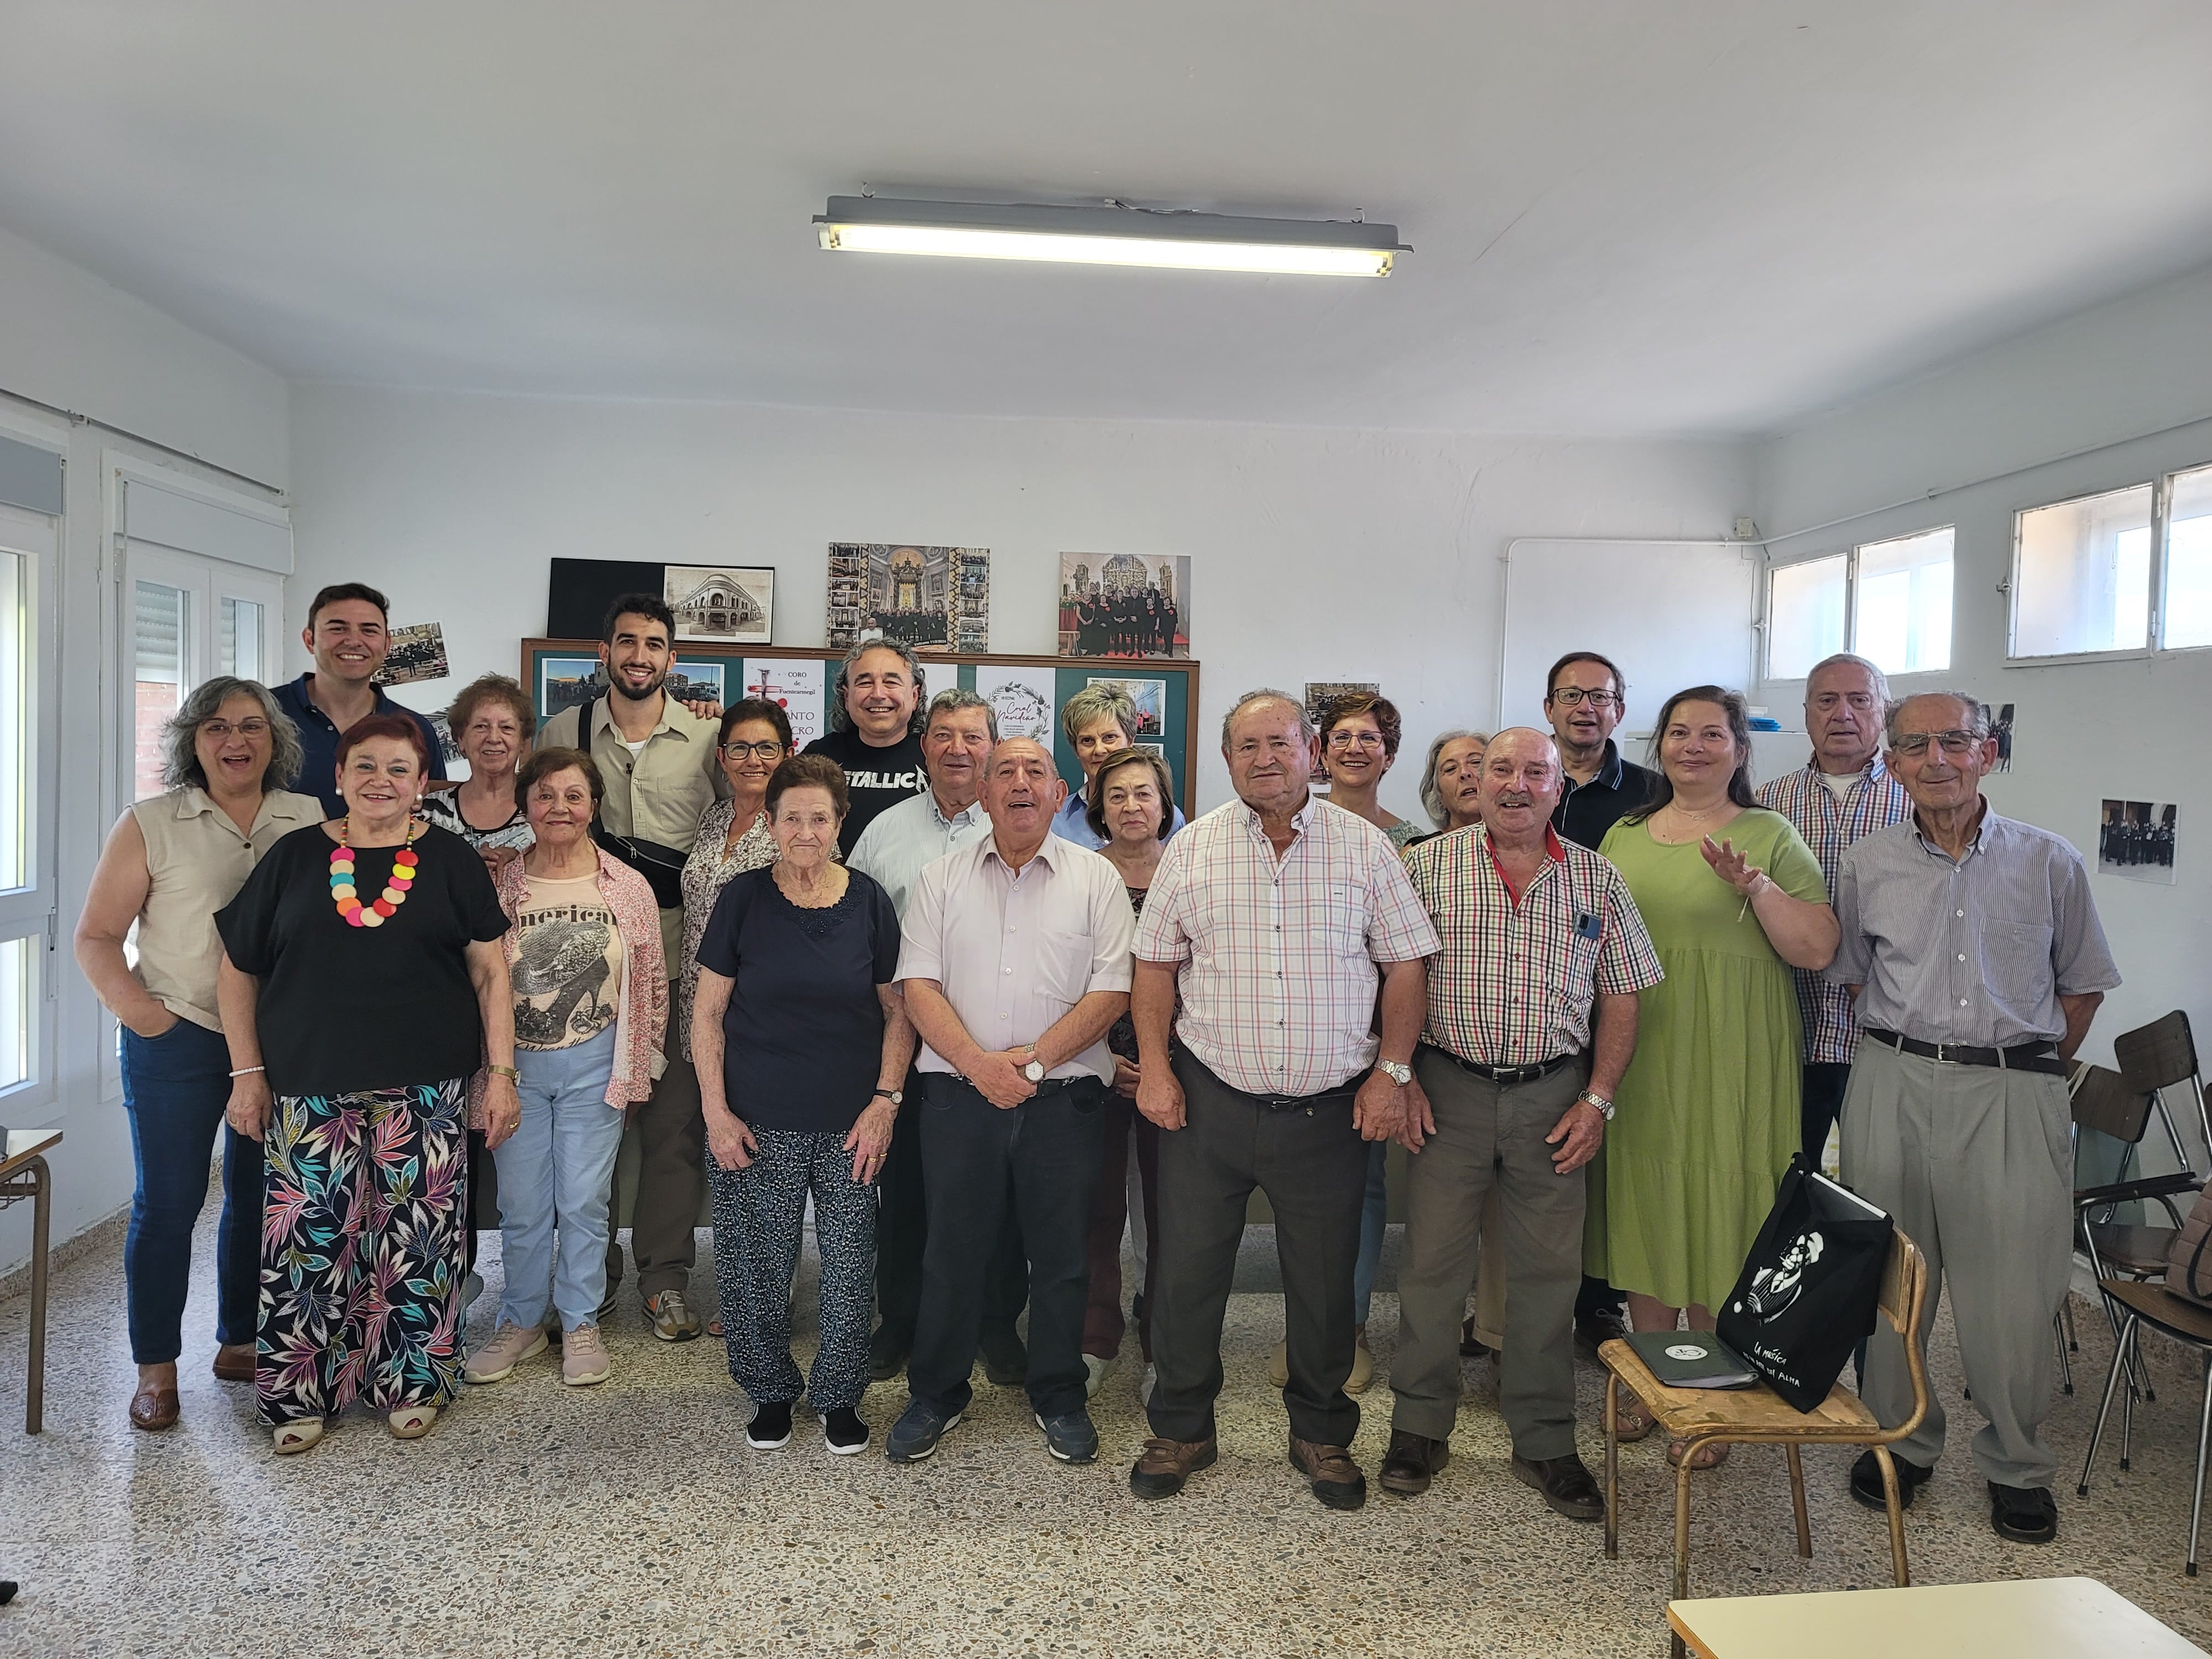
point(1708, 1110)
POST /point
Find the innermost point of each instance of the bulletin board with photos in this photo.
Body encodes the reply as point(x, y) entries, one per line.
point(1025, 692)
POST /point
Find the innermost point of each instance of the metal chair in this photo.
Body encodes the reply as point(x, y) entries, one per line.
point(1704, 1417)
point(2162, 1055)
point(2189, 1323)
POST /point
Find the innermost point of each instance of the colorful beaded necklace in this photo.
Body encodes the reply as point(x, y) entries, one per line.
point(343, 893)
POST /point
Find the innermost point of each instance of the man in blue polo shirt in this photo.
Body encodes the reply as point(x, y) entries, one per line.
point(347, 634)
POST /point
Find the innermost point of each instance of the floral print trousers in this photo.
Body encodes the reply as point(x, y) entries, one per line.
point(363, 1239)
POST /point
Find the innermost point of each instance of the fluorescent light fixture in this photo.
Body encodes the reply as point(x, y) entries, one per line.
point(1107, 236)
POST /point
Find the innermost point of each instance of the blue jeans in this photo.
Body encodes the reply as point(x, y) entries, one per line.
point(558, 1169)
point(1374, 1216)
point(175, 1088)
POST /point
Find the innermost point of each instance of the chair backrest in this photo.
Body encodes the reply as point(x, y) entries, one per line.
point(2104, 1101)
point(1903, 1299)
point(2154, 1056)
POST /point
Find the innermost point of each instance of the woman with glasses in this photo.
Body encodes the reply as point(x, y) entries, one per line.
point(1359, 735)
point(733, 838)
point(1708, 1110)
point(170, 863)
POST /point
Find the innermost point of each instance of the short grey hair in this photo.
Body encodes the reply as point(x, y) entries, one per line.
point(180, 755)
point(1977, 713)
point(1433, 798)
point(1099, 702)
point(959, 696)
point(1267, 693)
point(1851, 659)
point(839, 721)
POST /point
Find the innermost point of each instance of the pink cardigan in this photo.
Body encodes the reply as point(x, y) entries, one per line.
point(642, 1020)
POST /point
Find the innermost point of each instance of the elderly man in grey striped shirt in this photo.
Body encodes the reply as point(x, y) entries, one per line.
point(1973, 956)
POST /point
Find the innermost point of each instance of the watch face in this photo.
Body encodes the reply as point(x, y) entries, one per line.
point(1034, 1070)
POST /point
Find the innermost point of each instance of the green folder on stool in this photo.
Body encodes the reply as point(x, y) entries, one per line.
point(1691, 1359)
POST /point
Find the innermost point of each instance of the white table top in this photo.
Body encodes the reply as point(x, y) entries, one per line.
point(2011, 1618)
point(24, 1144)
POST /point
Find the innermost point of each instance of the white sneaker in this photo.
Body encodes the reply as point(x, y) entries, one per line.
point(1095, 1370)
point(584, 1359)
point(510, 1345)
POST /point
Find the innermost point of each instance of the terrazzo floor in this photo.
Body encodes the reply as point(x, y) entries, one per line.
point(632, 1519)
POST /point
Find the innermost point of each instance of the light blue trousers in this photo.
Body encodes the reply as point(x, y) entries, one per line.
point(556, 1172)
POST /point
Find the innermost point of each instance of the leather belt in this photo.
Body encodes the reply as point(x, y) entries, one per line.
point(2040, 1055)
point(1507, 1075)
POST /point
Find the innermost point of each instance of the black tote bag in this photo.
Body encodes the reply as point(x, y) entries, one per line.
point(1810, 1286)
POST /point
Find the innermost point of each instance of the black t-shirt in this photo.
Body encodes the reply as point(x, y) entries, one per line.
point(1586, 810)
point(344, 1008)
point(802, 1036)
point(878, 779)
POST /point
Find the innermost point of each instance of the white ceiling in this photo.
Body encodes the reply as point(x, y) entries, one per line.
point(1701, 216)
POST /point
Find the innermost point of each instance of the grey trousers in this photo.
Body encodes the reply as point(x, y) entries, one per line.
point(1975, 1164)
point(672, 1143)
point(1491, 1140)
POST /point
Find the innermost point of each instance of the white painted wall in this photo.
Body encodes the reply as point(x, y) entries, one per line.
point(1315, 554)
point(67, 338)
point(2098, 382)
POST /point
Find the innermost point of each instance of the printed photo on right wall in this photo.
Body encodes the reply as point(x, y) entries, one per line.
point(2134, 839)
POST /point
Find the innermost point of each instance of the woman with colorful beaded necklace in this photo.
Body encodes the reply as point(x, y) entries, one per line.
point(363, 982)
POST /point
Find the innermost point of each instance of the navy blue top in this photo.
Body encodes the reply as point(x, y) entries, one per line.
point(319, 738)
point(802, 1036)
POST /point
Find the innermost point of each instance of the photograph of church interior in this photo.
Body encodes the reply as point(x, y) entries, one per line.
point(1175, 829)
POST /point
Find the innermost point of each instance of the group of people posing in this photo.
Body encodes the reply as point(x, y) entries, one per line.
point(909, 977)
point(1124, 623)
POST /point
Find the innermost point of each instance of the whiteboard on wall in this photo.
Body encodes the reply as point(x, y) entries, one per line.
point(1671, 614)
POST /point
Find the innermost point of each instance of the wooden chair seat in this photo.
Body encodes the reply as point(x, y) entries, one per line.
point(1755, 1414)
point(2132, 1247)
point(2191, 1321)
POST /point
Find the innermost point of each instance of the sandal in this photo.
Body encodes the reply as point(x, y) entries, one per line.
point(298, 1437)
point(1710, 1456)
point(1630, 1421)
point(412, 1422)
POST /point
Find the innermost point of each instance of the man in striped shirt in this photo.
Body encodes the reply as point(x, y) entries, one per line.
point(1843, 793)
point(1531, 1022)
point(1276, 919)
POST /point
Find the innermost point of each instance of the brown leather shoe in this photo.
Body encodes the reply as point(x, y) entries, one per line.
point(1166, 1464)
point(1565, 1483)
point(233, 1362)
point(1411, 1460)
point(154, 1409)
point(1336, 1479)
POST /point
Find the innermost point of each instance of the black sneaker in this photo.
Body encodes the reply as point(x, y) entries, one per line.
point(1005, 1361)
point(1866, 1481)
point(1070, 1436)
point(2027, 1515)
point(844, 1433)
point(770, 1427)
point(916, 1433)
point(887, 1352)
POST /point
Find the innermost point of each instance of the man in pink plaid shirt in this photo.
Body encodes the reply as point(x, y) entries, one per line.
point(1277, 918)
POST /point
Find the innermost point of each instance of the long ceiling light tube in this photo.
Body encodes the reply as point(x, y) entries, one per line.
point(1107, 235)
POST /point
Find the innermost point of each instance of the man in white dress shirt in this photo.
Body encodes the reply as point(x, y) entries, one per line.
point(1015, 964)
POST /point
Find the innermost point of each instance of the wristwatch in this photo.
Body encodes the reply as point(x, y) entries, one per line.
point(1034, 1070)
point(1400, 1075)
point(897, 1096)
point(1604, 1106)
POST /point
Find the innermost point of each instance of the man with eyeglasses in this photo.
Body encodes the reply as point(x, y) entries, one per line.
point(1975, 962)
point(1845, 793)
point(1585, 700)
point(894, 850)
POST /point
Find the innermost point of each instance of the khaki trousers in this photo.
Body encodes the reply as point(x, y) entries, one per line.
point(671, 1176)
point(1490, 1139)
point(1975, 1164)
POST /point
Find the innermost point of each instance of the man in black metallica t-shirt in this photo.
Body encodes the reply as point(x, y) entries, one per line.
point(875, 732)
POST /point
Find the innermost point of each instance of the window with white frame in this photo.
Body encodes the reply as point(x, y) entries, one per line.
point(28, 548)
point(2080, 574)
point(1890, 601)
point(2186, 601)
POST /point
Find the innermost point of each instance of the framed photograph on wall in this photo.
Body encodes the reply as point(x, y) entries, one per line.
point(1124, 604)
point(1151, 697)
point(721, 604)
point(564, 681)
point(931, 599)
